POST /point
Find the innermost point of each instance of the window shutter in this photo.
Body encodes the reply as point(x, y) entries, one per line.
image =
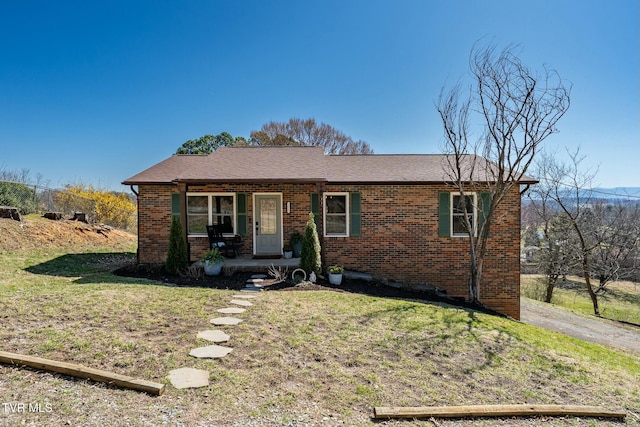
point(444, 214)
point(355, 214)
point(241, 214)
point(315, 207)
point(483, 208)
point(175, 205)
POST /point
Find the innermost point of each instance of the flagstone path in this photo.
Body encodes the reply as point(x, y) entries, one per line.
point(194, 378)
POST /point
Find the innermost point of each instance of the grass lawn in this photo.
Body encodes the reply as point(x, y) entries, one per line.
point(299, 358)
point(620, 302)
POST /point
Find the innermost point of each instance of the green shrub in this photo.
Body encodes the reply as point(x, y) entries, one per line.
point(310, 260)
point(177, 254)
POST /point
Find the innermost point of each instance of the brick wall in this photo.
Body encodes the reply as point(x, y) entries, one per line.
point(399, 239)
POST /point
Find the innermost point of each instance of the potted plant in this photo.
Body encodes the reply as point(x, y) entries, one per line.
point(212, 261)
point(335, 274)
point(296, 244)
point(288, 250)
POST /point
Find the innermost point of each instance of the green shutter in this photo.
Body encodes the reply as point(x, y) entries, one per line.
point(444, 214)
point(355, 214)
point(241, 217)
point(175, 204)
point(315, 207)
point(483, 208)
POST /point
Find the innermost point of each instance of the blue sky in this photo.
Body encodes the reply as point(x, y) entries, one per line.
point(95, 92)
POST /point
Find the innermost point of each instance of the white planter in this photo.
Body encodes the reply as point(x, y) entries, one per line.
point(288, 254)
point(335, 279)
point(212, 269)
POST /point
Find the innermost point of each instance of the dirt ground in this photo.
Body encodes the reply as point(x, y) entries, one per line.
point(37, 232)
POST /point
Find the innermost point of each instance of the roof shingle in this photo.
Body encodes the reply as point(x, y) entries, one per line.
point(299, 164)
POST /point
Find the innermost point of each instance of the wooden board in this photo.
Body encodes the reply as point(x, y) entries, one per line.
point(495, 411)
point(80, 371)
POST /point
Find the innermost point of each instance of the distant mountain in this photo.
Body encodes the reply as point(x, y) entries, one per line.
point(612, 195)
point(615, 193)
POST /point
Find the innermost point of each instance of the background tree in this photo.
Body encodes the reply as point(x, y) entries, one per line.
point(518, 110)
point(616, 232)
point(307, 132)
point(567, 184)
point(557, 248)
point(209, 143)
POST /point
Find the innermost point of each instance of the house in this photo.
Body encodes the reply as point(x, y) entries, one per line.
point(387, 215)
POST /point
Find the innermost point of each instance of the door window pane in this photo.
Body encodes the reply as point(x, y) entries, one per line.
point(268, 216)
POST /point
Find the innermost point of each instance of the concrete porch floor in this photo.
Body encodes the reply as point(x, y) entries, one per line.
point(248, 263)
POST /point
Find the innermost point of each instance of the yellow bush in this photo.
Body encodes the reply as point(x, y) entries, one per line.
point(112, 208)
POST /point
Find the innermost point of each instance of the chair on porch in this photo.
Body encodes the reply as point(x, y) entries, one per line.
point(227, 245)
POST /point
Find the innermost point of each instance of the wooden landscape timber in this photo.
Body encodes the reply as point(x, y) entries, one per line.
point(80, 371)
point(496, 411)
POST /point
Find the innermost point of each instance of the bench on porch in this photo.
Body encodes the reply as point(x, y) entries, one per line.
point(227, 245)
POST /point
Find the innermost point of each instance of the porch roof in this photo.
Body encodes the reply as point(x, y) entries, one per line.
point(302, 164)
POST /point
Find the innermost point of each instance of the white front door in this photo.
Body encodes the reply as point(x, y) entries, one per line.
point(268, 224)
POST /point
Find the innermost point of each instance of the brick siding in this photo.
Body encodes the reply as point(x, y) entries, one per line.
point(399, 239)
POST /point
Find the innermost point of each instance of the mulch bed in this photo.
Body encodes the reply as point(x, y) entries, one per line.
point(238, 280)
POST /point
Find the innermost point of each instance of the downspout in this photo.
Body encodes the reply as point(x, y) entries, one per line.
point(137, 222)
point(320, 227)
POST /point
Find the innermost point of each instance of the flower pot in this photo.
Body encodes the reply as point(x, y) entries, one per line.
point(212, 269)
point(335, 279)
point(297, 249)
point(288, 254)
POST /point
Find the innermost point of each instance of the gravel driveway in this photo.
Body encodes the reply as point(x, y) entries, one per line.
point(621, 337)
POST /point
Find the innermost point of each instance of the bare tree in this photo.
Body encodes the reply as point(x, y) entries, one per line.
point(518, 110)
point(567, 183)
point(557, 252)
point(616, 231)
point(308, 132)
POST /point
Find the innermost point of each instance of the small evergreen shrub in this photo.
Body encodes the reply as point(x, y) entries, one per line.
point(310, 260)
point(177, 254)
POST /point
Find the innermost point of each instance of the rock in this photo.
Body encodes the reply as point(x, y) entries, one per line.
point(189, 378)
point(231, 310)
point(210, 352)
point(241, 302)
point(226, 321)
point(213, 336)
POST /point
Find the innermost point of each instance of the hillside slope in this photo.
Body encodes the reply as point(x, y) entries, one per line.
point(36, 232)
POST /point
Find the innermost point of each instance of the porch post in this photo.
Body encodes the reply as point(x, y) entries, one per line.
point(182, 189)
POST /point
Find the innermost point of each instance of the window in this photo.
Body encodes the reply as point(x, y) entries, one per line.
point(210, 209)
point(458, 205)
point(336, 214)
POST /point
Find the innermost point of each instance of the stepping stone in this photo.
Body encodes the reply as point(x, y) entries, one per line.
point(255, 282)
point(189, 378)
point(232, 310)
point(259, 276)
point(226, 321)
point(241, 302)
point(243, 296)
point(213, 336)
point(210, 352)
point(251, 289)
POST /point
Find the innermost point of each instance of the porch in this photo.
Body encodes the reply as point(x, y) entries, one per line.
point(248, 263)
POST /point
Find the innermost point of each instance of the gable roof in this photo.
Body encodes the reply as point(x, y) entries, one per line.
point(298, 164)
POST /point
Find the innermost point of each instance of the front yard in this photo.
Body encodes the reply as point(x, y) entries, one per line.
point(299, 358)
